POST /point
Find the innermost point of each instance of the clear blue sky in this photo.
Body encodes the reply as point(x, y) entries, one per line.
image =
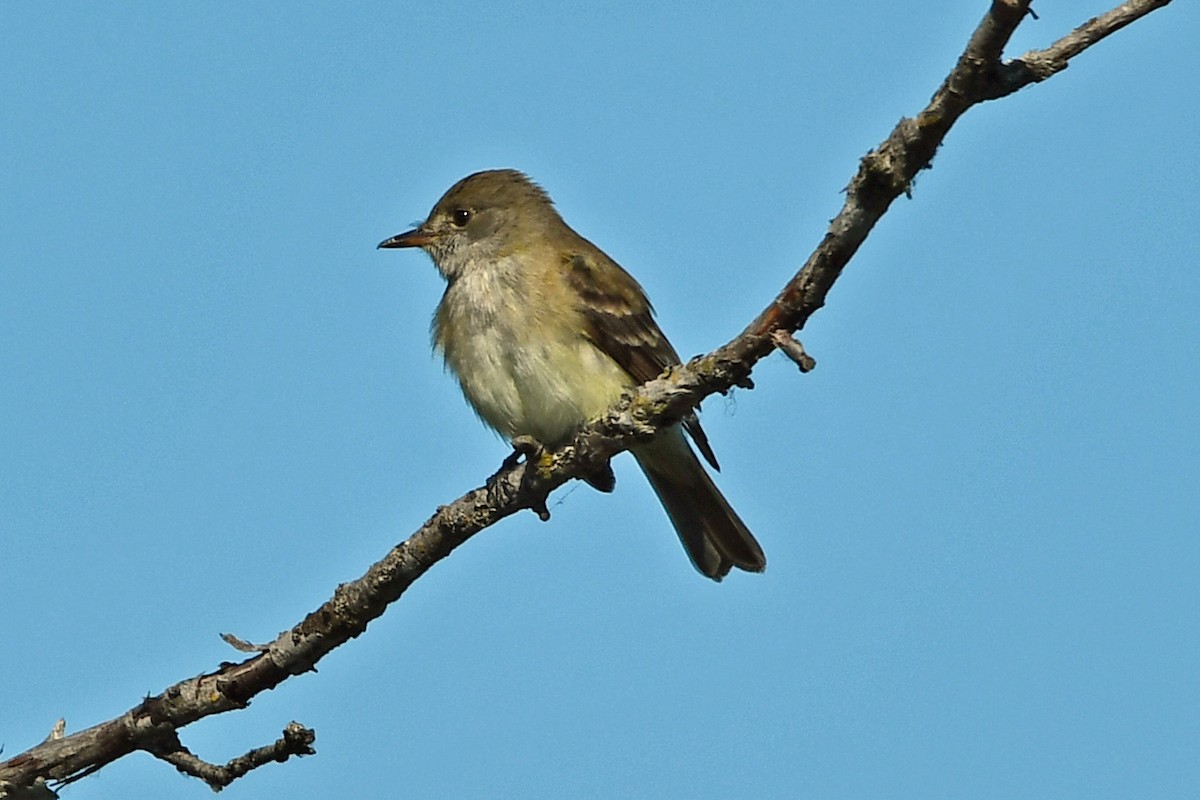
point(218, 400)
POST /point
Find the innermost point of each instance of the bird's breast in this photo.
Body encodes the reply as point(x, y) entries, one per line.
point(518, 350)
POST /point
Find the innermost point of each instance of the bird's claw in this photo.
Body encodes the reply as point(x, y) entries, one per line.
point(522, 445)
point(532, 450)
point(525, 446)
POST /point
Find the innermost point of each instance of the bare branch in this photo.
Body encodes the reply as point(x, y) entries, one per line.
point(37, 791)
point(792, 348)
point(883, 175)
point(241, 645)
point(297, 740)
point(1038, 65)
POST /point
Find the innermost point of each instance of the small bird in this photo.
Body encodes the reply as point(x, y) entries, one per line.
point(544, 332)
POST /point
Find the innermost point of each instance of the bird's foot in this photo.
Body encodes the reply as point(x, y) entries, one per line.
point(526, 446)
point(533, 451)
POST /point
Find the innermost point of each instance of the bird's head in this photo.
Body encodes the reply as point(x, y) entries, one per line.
point(483, 217)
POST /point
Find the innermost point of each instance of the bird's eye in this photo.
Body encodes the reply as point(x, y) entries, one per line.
point(461, 217)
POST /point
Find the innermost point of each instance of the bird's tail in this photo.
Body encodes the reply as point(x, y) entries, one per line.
point(714, 536)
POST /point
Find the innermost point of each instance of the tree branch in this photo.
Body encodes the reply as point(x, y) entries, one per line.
point(296, 741)
point(883, 175)
point(1038, 65)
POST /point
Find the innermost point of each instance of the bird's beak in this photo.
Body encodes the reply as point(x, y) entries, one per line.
point(414, 238)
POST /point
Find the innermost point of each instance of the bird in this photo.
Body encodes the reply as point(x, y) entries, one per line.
point(544, 332)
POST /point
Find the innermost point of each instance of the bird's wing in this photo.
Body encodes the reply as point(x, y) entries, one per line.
point(619, 320)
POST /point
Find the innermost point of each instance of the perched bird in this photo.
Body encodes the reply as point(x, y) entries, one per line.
point(544, 332)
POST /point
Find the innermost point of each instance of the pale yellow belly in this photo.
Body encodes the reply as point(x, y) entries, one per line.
point(527, 373)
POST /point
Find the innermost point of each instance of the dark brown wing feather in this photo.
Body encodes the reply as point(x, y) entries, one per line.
point(619, 317)
point(620, 321)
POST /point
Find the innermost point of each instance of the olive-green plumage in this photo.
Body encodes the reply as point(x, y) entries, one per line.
point(544, 332)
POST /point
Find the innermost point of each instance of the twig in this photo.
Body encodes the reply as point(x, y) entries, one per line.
point(790, 347)
point(241, 645)
point(297, 740)
point(1038, 65)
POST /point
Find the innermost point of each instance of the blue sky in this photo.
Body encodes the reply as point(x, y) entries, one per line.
point(980, 511)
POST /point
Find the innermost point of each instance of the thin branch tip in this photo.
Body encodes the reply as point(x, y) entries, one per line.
point(791, 347)
point(57, 732)
point(296, 740)
point(243, 646)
